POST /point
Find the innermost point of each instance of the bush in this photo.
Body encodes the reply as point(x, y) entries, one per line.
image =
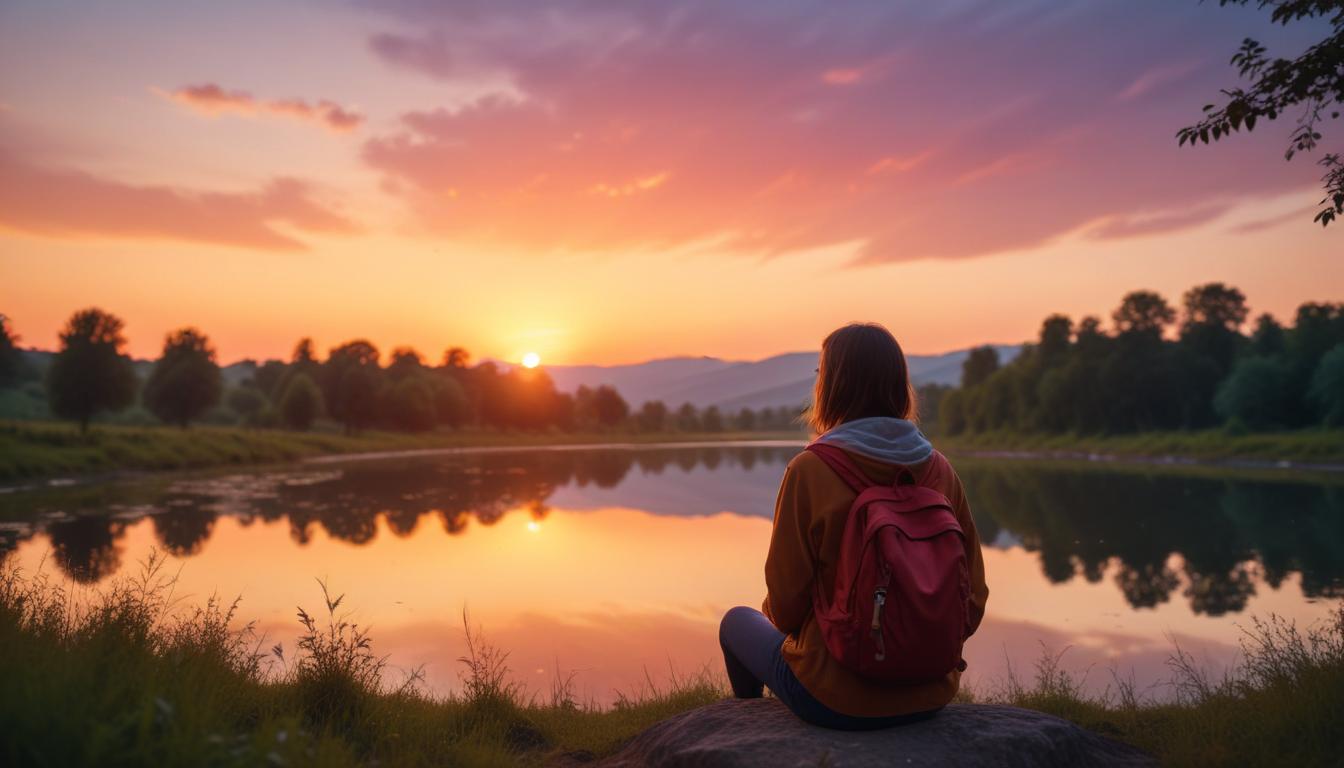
point(301, 403)
point(1327, 387)
point(1256, 393)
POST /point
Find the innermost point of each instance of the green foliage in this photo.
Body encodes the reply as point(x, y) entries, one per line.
point(137, 679)
point(1327, 387)
point(185, 381)
point(411, 405)
point(90, 374)
point(1312, 85)
point(1256, 394)
point(1139, 380)
point(248, 402)
point(301, 403)
point(451, 406)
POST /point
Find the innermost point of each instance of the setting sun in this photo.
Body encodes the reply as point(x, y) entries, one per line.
point(531, 360)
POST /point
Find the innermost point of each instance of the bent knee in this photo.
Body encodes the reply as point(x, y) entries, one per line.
point(736, 616)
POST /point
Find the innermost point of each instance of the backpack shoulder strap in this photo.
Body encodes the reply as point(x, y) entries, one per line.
point(841, 464)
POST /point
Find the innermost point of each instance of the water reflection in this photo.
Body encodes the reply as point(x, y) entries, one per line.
point(1212, 539)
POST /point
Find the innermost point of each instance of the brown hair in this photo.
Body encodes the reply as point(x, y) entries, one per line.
point(861, 373)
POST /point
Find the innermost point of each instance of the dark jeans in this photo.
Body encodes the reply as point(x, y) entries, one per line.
point(751, 651)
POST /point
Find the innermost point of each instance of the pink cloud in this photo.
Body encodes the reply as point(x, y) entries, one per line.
point(212, 99)
point(68, 203)
point(966, 133)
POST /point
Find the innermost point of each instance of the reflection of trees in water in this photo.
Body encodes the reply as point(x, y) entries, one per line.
point(1081, 522)
point(1230, 535)
point(347, 504)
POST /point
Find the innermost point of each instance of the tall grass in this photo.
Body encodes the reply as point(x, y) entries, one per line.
point(1324, 446)
point(1282, 704)
point(125, 675)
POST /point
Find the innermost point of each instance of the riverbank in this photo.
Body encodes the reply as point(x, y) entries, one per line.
point(140, 679)
point(32, 450)
point(1316, 448)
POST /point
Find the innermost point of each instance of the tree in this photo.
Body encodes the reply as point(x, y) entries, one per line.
point(1214, 304)
point(609, 407)
point(979, 365)
point(90, 374)
point(1312, 85)
point(352, 383)
point(745, 420)
point(456, 357)
point(248, 402)
point(1053, 347)
point(711, 420)
point(11, 361)
point(452, 407)
point(185, 382)
point(300, 403)
point(688, 419)
point(1256, 394)
point(412, 404)
point(1268, 339)
point(1143, 312)
point(405, 362)
point(652, 416)
point(1327, 387)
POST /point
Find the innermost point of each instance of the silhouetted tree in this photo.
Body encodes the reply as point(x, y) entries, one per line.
point(745, 420)
point(688, 419)
point(978, 366)
point(301, 403)
point(185, 381)
point(711, 420)
point(456, 357)
point(11, 361)
point(452, 407)
point(90, 374)
point(1143, 312)
point(1312, 85)
point(609, 407)
point(405, 362)
point(652, 416)
point(352, 384)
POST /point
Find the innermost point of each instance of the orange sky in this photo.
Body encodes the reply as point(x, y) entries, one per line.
point(705, 180)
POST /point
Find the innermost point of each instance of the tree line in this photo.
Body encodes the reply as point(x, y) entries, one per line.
point(1157, 368)
point(91, 375)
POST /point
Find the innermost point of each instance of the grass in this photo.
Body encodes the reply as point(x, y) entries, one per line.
point(1314, 446)
point(46, 449)
point(126, 676)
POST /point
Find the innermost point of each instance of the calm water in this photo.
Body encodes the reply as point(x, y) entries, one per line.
point(616, 564)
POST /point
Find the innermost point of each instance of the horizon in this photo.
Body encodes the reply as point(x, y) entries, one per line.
point(629, 169)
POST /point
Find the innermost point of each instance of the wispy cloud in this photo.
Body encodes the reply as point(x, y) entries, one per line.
point(213, 99)
point(59, 202)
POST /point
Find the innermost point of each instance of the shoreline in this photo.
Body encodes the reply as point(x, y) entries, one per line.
point(50, 454)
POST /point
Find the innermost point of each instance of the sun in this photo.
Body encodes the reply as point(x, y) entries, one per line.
point(531, 360)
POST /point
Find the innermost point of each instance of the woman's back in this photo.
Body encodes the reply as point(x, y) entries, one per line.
point(810, 516)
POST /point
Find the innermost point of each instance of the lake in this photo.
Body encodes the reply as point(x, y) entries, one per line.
point(614, 564)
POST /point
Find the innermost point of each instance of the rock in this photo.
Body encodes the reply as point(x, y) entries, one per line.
point(762, 733)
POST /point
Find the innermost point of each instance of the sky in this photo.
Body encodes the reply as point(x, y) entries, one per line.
point(608, 182)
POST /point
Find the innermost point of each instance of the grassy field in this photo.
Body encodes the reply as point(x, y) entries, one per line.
point(127, 677)
point(1320, 446)
point(32, 449)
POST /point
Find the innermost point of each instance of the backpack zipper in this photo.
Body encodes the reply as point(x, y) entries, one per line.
point(879, 600)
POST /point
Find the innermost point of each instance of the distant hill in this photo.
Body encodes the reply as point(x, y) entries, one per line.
point(782, 380)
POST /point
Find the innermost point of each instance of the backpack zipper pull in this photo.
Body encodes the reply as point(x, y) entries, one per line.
point(879, 600)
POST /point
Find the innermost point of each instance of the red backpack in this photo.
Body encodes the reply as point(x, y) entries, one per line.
point(901, 603)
